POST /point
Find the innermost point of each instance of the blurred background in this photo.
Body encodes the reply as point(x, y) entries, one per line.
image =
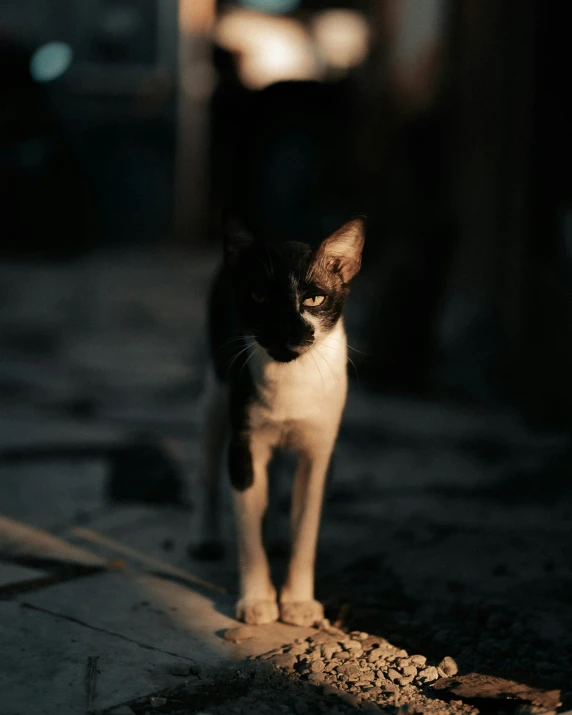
point(127, 126)
point(132, 124)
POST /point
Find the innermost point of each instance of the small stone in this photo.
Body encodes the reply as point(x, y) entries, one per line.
point(270, 654)
point(401, 653)
point(316, 678)
point(329, 650)
point(313, 655)
point(344, 655)
point(409, 670)
point(317, 666)
point(375, 655)
point(372, 642)
point(442, 673)
point(448, 666)
point(405, 681)
point(350, 671)
point(418, 660)
point(240, 633)
point(157, 702)
point(393, 674)
point(353, 645)
point(298, 649)
point(428, 675)
point(321, 637)
point(285, 661)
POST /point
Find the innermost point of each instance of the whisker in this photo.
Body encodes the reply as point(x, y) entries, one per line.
point(226, 343)
point(331, 368)
point(318, 368)
point(235, 358)
point(351, 347)
point(348, 358)
point(245, 363)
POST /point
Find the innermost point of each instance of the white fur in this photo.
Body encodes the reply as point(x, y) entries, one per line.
point(311, 389)
point(299, 407)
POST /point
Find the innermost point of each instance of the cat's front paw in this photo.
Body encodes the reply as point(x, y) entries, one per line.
point(256, 613)
point(301, 613)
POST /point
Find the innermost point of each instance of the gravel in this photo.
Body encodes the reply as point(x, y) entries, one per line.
point(364, 671)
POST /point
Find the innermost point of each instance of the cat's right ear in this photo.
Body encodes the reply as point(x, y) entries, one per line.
point(236, 240)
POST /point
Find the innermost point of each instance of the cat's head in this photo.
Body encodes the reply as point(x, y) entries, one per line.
point(288, 296)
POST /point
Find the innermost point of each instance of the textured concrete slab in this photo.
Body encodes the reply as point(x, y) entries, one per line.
point(44, 660)
point(159, 613)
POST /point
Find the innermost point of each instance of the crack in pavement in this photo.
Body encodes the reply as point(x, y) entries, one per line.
point(24, 604)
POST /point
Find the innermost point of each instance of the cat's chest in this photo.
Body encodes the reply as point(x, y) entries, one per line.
point(309, 390)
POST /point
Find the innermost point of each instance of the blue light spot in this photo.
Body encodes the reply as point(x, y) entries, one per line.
point(50, 61)
point(276, 7)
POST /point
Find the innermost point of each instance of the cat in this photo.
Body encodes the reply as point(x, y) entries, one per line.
point(279, 357)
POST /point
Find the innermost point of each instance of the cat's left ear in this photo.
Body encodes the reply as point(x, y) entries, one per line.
point(341, 252)
point(236, 239)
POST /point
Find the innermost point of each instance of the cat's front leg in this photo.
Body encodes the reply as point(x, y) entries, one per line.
point(297, 604)
point(248, 464)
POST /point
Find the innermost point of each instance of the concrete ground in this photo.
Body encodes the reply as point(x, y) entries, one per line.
point(445, 530)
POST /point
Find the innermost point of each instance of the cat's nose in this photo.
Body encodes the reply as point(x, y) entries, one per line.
point(301, 340)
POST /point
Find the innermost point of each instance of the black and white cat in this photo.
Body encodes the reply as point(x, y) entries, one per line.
point(279, 353)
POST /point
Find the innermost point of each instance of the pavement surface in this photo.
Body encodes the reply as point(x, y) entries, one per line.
point(446, 531)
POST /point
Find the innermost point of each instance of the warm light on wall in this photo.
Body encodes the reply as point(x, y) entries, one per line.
point(196, 17)
point(269, 49)
point(272, 49)
point(342, 37)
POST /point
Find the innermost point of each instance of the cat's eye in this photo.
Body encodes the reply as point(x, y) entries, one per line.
point(314, 301)
point(258, 297)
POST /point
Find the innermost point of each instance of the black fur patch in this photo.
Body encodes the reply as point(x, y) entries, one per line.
point(258, 296)
point(240, 463)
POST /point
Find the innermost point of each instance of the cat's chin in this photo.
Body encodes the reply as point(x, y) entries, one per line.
point(283, 355)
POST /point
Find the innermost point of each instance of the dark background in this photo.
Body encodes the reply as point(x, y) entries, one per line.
point(460, 161)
